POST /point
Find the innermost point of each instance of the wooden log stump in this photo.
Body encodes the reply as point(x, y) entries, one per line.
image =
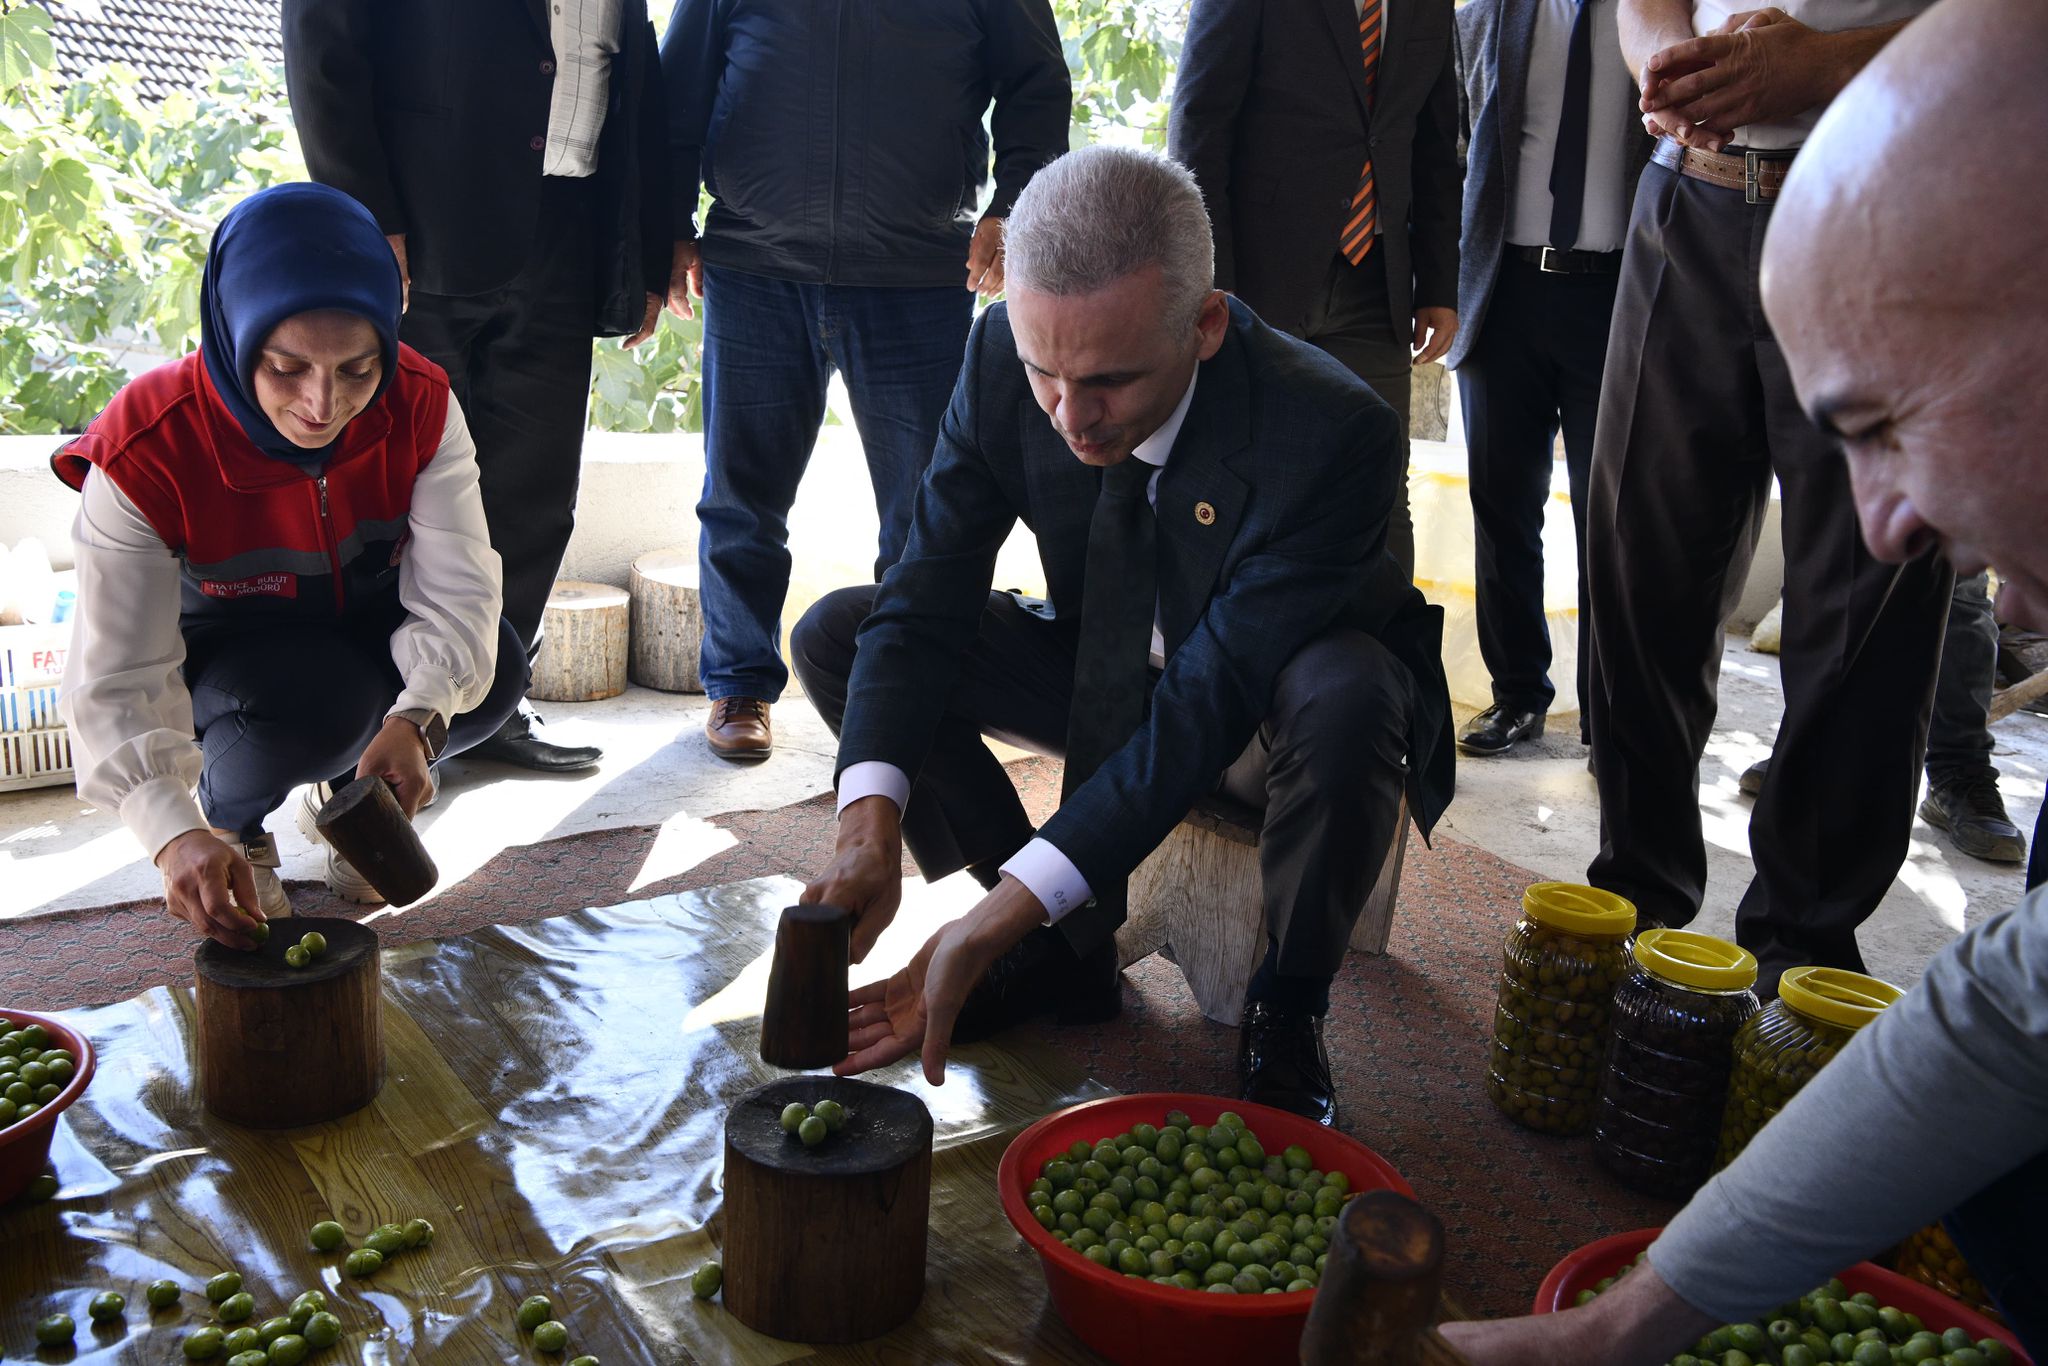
point(826, 1244)
point(279, 1046)
point(803, 1023)
point(1197, 898)
point(668, 621)
point(367, 826)
point(1378, 1295)
point(583, 643)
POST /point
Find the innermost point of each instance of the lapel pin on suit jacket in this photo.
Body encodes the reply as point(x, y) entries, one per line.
point(1205, 513)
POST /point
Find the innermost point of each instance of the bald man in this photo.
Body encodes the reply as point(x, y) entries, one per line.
point(1931, 379)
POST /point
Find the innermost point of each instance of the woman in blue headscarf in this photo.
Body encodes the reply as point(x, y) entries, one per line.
point(284, 574)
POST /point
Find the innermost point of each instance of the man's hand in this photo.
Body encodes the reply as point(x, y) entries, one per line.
point(985, 258)
point(918, 1006)
point(1762, 66)
point(397, 241)
point(1434, 329)
point(865, 875)
point(205, 882)
point(398, 755)
point(1640, 1319)
point(649, 320)
point(685, 277)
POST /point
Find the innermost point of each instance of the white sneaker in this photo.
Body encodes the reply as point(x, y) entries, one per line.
point(342, 878)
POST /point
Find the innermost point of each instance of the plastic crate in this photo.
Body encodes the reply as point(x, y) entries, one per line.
point(35, 749)
point(34, 758)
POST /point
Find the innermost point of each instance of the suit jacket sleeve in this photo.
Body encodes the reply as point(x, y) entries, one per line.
point(692, 59)
point(1439, 189)
point(657, 233)
point(1034, 95)
point(928, 610)
point(334, 101)
point(1216, 64)
point(1219, 684)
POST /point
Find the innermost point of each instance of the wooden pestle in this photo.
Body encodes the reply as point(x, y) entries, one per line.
point(1378, 1296)
point(803, 1023)
point(367, 826)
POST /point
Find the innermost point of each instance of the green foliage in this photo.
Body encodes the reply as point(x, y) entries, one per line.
point(1122, 54)
point(106, 206)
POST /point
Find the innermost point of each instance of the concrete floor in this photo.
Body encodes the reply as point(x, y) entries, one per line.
point(1535, 807)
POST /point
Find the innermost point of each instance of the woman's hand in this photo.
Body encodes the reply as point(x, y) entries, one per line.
point(398, 755)
point(210, 885)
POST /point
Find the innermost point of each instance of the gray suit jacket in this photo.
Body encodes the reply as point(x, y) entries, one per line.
point(1493, 62)
point(1296, 460)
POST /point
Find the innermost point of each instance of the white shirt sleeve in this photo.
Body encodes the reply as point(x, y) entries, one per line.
point(451, 583)
point(874, 778)
point(1050, 876)
point(124, 695)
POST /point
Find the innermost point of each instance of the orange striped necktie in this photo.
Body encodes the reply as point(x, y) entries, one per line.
point(1356, 239)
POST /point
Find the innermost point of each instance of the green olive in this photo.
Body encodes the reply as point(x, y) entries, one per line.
point(288, 1350)
point(794, 1114)
point(314, 943)
point(243, 1339)
point(8, 1111)
point(387, 1240)
point(259, 930)
point(296, 956)
point(48, 1092)
point(35, 1074)
point(327, 1235)
point(363, 1262)
point(534, 1310)
point(237, 1307)
point(812, 1131)
point(19, 1092)
point(583, 1361)
point(62, 1071)
point(833, 1113)
point(161, 1294)
point(704, 1284)
point(56, 1330)
point(322, 1330)
point(271, 1329)
point(418, 1233)
point(35, 1036)
point(551, 1336)
point(107, 1306)
point(250, 1356)
point(203, 1344)
point(225, 1284)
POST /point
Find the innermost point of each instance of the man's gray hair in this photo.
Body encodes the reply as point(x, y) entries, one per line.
point(1100, 213)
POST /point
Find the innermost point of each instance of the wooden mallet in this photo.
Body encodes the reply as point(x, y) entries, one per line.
point(366, 825)
point(1378, 1296)
point(803, 1023)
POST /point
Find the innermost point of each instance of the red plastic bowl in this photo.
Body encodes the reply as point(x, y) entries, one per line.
point(1595, 1262)
point(25, 1144)
point(1132, 1321)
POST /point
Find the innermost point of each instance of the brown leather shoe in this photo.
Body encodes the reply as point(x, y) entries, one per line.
point(738, 728)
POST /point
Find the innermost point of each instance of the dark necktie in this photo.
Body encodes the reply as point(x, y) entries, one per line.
point(1568, 160)
point(1118, 602)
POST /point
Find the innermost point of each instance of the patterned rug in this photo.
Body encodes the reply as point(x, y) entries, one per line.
point(1407, 1032)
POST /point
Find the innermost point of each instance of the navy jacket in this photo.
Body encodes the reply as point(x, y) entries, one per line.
point(1493, 60)
point(1298, 460)
point(842, 142)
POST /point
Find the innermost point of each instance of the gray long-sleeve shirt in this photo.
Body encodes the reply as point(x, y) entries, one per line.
point(1942, 1094)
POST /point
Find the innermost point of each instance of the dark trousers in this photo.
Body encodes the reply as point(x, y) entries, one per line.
point(1697, 412)
point(770, 346)
point(1959, 733)
point(277, 706)
point(1326, 767)
point(1998, 1231)
point(1350, 321)
point(518, 360)
point(1534, 367)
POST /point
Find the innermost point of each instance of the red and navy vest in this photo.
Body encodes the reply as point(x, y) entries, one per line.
point(257, 536)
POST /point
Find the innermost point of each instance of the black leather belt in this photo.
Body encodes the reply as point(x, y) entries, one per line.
point(1552, 261)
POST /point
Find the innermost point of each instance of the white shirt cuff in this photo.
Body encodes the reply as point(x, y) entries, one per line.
point(1050, 876)
point(160, 809)
point(874, 778)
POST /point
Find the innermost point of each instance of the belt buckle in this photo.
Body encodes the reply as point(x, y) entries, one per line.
point(1749, 177)
point(1543, 262)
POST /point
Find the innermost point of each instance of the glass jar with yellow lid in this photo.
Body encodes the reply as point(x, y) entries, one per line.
point(1675, 1018)
point(1785, 1044)
point(1558, 971)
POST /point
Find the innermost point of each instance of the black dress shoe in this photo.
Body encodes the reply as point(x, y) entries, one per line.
point(517, 743)
point(1495, 730)
point(1281, 1062)
point(1040, 976)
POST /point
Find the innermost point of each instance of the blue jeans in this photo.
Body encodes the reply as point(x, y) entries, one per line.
point(769, 348)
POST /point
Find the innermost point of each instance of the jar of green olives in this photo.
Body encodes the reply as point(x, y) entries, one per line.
point(1785, 1044)
point(1676, 1015)
point(1558, 972)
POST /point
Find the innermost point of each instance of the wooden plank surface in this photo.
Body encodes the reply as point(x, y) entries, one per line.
point(555, 1106)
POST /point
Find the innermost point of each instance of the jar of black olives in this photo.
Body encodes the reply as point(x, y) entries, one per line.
point(1787, 1042)
point(1674, 1024)
point(1558, 972)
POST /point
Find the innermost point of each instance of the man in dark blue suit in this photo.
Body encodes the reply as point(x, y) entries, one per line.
point(1210, 500)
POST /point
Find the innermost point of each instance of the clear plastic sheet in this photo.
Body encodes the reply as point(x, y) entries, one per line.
point(554, 1104)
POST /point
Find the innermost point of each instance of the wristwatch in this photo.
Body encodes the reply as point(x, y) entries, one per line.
point(433, 730)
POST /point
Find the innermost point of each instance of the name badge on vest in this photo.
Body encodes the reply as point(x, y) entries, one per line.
point(260, 586)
